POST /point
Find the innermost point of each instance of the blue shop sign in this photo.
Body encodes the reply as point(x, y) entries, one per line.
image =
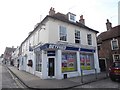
point(62, 47)
point(87, 50)
point(50, 53)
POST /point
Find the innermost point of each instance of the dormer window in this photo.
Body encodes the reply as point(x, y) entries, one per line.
point(72, 17)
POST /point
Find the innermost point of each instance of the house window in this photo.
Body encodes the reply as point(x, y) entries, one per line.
point(89, 39)
point(38, 62)
point(69, 62)
point(72, 17)
point(116, 57)
point(77, 36)
point(63, 33)
point(86, 61)
point(114, 44)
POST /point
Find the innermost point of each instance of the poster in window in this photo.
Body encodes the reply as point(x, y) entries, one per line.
point(88, 63)
point(64, 63)
point(82, 62)
point(68, 62)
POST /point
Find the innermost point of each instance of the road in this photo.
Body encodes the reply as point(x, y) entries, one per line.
point(8, 80)
point(106, 83)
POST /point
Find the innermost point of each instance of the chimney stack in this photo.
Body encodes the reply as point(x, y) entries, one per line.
point(82, 20)
point(52, 11)
point(108, 25)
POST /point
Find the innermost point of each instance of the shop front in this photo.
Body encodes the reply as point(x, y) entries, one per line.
point(64, 61)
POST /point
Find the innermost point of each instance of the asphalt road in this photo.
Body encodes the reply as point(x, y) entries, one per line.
point(106, 83)
point(8, 81)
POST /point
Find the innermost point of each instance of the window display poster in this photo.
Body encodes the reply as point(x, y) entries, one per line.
point(68, 62)
point(88, 62)
point(85, 62)
point(82, 62)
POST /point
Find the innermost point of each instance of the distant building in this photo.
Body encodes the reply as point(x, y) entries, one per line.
point(15, 57)
point(109, 46)
point(1, 58)
point(8, 55)
point(60, 47)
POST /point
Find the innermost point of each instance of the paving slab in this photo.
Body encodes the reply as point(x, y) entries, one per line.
point(33, 81)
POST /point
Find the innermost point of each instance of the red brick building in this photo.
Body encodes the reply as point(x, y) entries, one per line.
point(109, 46)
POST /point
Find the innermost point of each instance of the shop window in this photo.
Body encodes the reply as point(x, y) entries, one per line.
point(77, 36)
point(63, 33)
point(69, 62)
point(38, 62)
point(87, 61)
point(114, 44)
point(89, 39)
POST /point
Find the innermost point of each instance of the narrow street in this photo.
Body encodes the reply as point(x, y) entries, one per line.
point(106, 83)
point(8, 80)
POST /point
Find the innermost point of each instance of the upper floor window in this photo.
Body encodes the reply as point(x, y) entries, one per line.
point(89, 39)
point(72, 17)
point(77, 36)
point(114, 44)
point(62, 33)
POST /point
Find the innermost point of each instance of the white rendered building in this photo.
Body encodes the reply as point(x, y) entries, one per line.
point(60, 47)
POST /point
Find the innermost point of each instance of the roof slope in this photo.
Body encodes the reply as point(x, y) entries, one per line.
point(113, 33)
point(64, 18)
point(61, 17)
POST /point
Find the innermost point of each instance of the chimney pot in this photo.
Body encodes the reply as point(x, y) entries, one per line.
point(108, 25)
point(82, 20)
point(52, 11)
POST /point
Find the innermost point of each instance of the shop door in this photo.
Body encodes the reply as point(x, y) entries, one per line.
point(51, 67)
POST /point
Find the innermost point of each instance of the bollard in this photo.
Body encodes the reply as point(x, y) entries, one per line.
point(81, 75)
point(95, 73)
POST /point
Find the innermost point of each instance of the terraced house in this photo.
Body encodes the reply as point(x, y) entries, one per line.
point(60, 47)
point(109, 46)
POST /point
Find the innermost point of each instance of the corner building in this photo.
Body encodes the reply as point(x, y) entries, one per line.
point(62, 47)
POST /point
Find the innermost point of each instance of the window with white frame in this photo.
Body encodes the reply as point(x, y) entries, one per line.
point(77, 36)
point(86, 61)
point(114, 44)
point(62, 33)
point(116, 57)
point(69, 62)
point(72, 17)
point(39, 62)
point(89, 39)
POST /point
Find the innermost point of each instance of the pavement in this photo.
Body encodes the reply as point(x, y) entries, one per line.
point(34, 82)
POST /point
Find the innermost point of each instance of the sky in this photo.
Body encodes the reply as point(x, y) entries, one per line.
point(18, 17)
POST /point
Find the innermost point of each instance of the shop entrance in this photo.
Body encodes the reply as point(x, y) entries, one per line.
point(102, 65)
point(51, 67)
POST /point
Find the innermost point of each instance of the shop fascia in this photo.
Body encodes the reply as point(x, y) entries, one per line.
point(62, 47)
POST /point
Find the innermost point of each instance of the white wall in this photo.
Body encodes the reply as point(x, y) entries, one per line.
point(54, 32)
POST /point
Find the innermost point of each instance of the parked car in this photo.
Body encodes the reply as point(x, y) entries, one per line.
point(114, 71)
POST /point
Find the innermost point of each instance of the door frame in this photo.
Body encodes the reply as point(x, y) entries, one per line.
point(54, 66)
point(104, 61)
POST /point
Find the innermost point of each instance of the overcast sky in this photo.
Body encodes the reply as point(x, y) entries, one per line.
point(18, 17)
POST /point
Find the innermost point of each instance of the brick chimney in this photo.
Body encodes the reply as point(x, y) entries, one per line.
point(82, 20)
point(108, 25)
point(52, 11)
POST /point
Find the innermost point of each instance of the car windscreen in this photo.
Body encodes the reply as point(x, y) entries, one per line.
point(116, 64)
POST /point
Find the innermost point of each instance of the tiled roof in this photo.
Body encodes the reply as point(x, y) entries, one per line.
point(113, 33)
point(64, 18)
point(61, 17)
